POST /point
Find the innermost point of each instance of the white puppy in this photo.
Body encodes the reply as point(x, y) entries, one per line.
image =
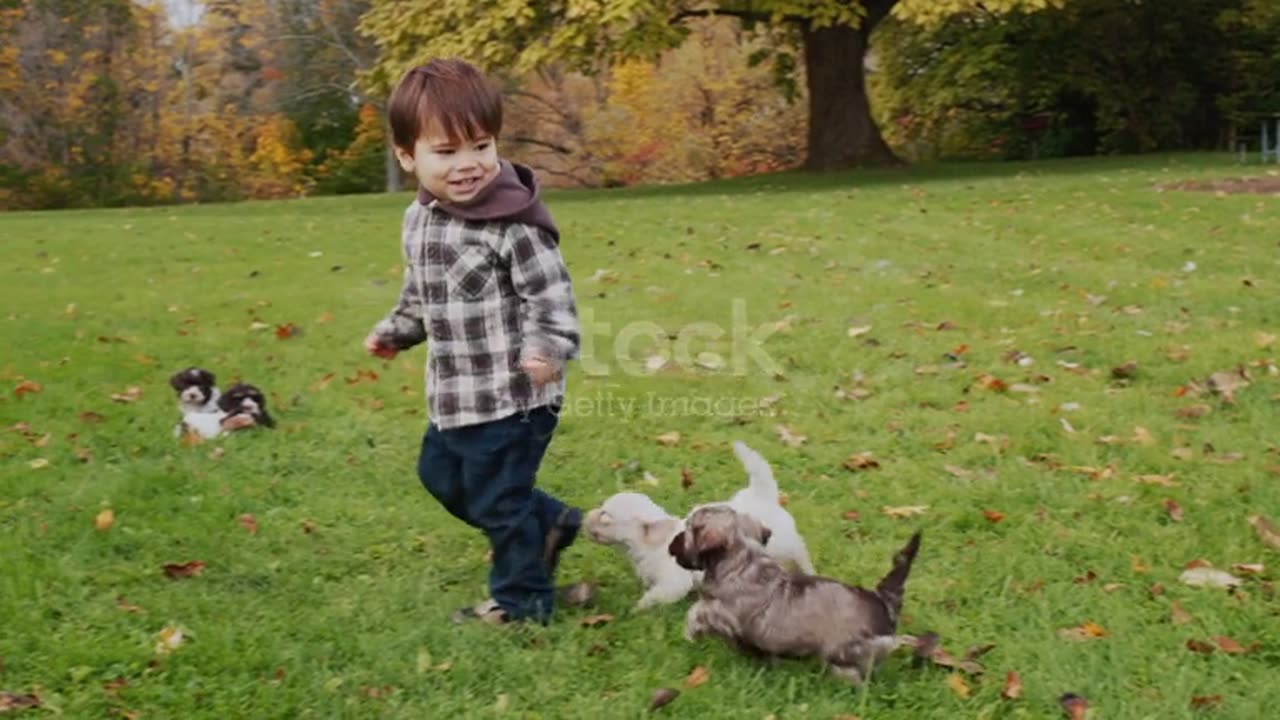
point(641, 527)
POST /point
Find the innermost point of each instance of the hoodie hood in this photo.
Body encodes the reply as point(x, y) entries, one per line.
point(512, 195)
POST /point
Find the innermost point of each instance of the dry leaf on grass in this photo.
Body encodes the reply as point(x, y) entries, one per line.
point(27, 387)
point(1209, 577)
point(128, 607)
point(168, 640)
point(131, 394)
point(1228, 382)
point(184, 570)
point(1205, 702)
point(993, 516)
point(1174, 509)
point(1012, 686)
point(860, 461)
point(1249, 568)
point(697, 676)
point(663, 696)
point(956, 682)
point(38, 463)
point(18, 701)
point(1076, 707)
point(788, 437)
point(1199, 646)
point(1087, 630)
point(686, 478)
point(904, 511)
point(248, 523)
point(668, 439)
point(1231, 647)
point(1178, 615)
point(1266, 531)
point(596, 620)
point(105, 519)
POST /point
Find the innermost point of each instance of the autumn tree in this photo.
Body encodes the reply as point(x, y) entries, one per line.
point(830, 37)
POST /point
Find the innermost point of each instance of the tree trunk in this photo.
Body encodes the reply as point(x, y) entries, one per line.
point(392, 166)
point(841, 132)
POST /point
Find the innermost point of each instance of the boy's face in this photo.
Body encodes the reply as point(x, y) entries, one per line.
point(453, 171)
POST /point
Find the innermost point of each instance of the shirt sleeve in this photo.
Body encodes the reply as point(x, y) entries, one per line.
point(549, 315)
point(404, 326)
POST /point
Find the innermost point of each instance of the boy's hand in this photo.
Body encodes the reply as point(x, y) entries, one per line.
point(377, 346)
point(539, 370)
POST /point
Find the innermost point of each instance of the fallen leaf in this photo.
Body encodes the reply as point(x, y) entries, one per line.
point(669, 439)
point(1088, 577)
point(1264, 339)
point(168, 640)
point(1228, 382)
point(91, 417)
point(27, 387)
point(1126, 371)
point(184, 570)
point(1163, 480)
point(1012, 686)
point(993, 516)
point(988, 381)
point(1231, 647)
point(325, 317)
point(663, 696)
point(1199, 646)
point(1205, 702)
point(1249, 568)
point(783, 498)
point(104, 519)
point(323, 382)
point(788, 437)
point(1177, 615)
point(502, 703)
point(1174, 509)
point(15, 701)
point(686, 478)
point(286, 331)
point(857, 331)
point(248, 523)
point(1143, 436)
point(1193, 412)
point(131, 394)
point(904, 511)
point(853, 515)
point(128, 607)
point(1181, 453)
point(39, 463)
point(860, 461)
point(596, 620)
point(1087, 630)
point(308, 526)
point(1074, 706)
point(1209, 577)
point(957, 471)
point(1112, 587)
point(1267, 532)
point(956, 682)
point(697, 677)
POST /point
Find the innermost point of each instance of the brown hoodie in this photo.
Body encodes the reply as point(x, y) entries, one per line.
point(512, 195)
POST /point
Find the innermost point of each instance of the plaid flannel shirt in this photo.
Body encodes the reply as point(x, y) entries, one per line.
point(484, 295)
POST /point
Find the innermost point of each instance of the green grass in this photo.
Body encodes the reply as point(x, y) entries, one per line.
point(350, 619)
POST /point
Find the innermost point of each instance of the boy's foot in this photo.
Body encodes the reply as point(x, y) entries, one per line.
point(560, 537)
point(487, 611)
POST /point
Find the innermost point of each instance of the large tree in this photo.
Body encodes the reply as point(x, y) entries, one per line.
point(519, 35)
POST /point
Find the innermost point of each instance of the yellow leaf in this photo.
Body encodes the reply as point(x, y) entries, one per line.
point(39, 463)
point(668, 439)
point(105, 519)
point(697, 677)
point(904, 511)
point(956, 682)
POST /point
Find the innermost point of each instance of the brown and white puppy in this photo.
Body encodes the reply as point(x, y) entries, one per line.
point(243, 402)
point(750, 600)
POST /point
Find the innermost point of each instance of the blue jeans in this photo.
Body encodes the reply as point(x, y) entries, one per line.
point(484, 476)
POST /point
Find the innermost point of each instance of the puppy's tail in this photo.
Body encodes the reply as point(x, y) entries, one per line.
point(890, 588)
point(760, 475)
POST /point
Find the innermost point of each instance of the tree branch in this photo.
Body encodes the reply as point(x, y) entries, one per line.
point(562, 149)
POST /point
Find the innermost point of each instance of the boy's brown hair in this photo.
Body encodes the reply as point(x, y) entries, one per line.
point(449, 96)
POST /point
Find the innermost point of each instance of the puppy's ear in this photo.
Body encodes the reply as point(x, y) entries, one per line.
point(654, 532)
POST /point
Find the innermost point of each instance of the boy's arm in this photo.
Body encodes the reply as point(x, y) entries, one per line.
point(549, 322)
point(405, 325)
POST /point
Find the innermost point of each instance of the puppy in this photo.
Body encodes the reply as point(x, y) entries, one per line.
point(197, 390)
point(244, 406)
point(644, 530)
point(763, 610)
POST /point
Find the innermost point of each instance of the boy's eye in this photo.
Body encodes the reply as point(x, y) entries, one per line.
point(483, 146)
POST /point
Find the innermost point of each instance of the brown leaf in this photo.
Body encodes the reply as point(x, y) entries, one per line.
point(978, 651)
point(1192, 412)
point(1012, 686)
point(1200, 646)
point(860, 461)
point(248, 523)
point(686, 478)
point(1231, 647)
point(323, 382)
point(1143, 436)
point(993, 516)
point(904, 511)
point(697, 676)
point(27, 387)
point(1074, 706)
point(128, 607)
point(1205, 702)
point(286, 331)
point(104, 519)
point(956, 682)
point(308, 526)
point(184, 570)
point(958, 471)
point(663, 696)
point(596, 620)
point(1228, 382)
point(1162, 480)
point(1088, 577)
point(990, 382)
point(91, 417)
point(13, 701)
point(1249, 568)
point(1125, 371)
point(1267, 532)
point(1174, 509)
point(853, 515)
point(1177, 615)
point(1087, 630)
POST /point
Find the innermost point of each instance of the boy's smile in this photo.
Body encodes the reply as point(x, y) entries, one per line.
point(453, 171)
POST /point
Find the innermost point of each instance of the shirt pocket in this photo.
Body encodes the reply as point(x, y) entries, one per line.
point(470, 270)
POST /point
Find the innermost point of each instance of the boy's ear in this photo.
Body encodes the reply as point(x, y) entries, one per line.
point(405, 158)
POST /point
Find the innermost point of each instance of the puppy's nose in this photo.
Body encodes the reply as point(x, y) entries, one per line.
point(676, 546)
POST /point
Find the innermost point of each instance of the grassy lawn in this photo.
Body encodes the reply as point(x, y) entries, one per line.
point(1055, 494)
